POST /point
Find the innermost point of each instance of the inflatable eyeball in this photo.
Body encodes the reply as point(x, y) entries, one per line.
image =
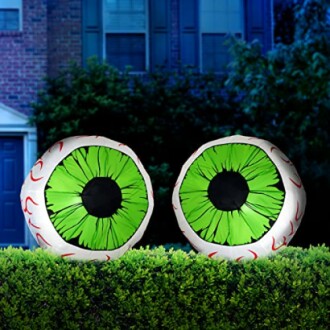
point(87, 197)
point(238, 198)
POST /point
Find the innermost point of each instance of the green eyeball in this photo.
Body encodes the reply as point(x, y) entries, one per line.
point(238, 197)
point(88, 198)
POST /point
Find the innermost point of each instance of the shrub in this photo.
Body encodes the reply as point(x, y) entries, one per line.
point(159, 289)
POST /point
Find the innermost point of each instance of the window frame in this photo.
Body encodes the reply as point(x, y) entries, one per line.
point(146, 33)
point(13, 5)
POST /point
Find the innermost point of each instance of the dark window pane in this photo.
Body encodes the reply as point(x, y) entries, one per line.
point(215, 51)
point(126, 49)
point(9, 19)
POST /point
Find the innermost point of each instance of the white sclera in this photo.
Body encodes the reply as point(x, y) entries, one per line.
point(285, 225)
point(34, 205)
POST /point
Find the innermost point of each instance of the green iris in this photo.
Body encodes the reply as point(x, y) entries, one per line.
point(231, 194)
point(96, 198)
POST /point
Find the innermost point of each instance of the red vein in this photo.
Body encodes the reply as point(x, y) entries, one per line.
point(60, 143)
point(255, 255)
point(297, 218)
point(278, 247)
point(210, 255)
point(67, 255)
point(286, 160)
point(32, 225)
point(297, 184)
point(292, 229)
point(35, 179)
point(28, 199)
point(39, 236)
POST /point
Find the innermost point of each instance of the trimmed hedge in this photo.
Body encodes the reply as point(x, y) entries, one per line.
point(165, 289)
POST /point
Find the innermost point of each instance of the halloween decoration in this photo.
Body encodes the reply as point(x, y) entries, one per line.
point(238, 198)
point(87, 197)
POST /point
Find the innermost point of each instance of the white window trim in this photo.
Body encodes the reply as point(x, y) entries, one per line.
point(14, 4)
point(145, 31)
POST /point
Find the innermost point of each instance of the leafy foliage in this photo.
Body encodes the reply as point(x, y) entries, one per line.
point(165, 289)
point(284, 19)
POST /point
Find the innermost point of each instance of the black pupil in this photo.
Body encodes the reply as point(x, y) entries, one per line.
point(101, 197)
point(228, 191)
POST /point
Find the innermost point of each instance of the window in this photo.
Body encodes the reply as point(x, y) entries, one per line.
point(125, 33)
point(147, 34)
point(218, 20)
point(9, 19)
point(10, 15)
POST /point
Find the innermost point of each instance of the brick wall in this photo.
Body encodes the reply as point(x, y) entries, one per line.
point(64, 34)
point(49, 40)
point(23, 57)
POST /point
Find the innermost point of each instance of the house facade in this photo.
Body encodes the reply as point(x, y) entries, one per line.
point(38, 38)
